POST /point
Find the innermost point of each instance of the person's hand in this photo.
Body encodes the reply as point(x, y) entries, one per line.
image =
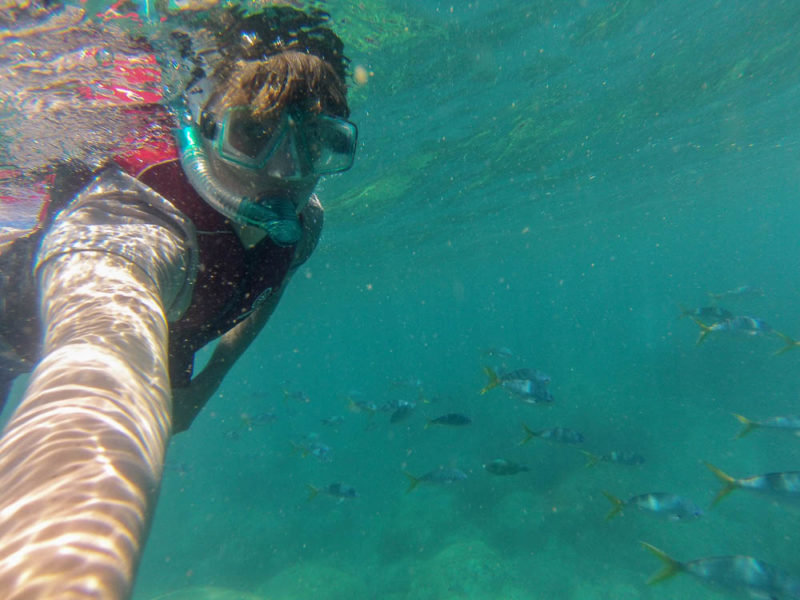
point(187, 402)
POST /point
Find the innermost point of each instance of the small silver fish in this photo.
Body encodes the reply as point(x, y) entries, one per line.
point(337, 490)
point(362, 406)
point(788, 423)
point(555, 434)
point(252, 421)
point(743, 291)
point(530, 384)
point(403, 410)
point(707, 314)
point(619, 457)
point(311, 445)
point(296, 396)
point(663, 505)
point(743, 324)
point(450, 419)
point(784, 487)
point(440, 476)
point(501, 466)
point(742, 575)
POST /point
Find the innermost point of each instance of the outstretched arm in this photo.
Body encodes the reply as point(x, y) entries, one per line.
point(81, 459)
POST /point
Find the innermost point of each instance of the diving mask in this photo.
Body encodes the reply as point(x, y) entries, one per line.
point(261, 174)
point(296, 146)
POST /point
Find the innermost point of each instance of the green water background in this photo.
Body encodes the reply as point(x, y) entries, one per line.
point(555, 179)
point(552, 177)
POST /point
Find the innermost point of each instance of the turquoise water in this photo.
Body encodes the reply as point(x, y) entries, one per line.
point(556, 180)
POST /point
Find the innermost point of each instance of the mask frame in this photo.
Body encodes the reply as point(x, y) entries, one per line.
point(296, 146)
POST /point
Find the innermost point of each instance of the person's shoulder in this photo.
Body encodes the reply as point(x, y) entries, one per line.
point(312, 218)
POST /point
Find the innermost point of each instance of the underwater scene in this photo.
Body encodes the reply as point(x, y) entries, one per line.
point(547, 346)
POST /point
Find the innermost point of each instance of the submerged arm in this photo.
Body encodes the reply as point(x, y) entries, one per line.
point(190, 400)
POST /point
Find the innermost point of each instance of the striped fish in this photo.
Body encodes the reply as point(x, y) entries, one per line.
point(787, 423)
point(561, 435)
point(741, 575)
point(783, 486)
point(664, 505)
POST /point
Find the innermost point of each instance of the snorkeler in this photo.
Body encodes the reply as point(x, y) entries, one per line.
point(175, 241)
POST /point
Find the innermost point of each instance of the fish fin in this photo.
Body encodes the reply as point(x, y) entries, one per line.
point(730, 483)
point(671, 566)
point(748, 426)
point(312, 492)
point(413, 481)
point(421, 398)
point(790, 343)
point(617, 505)
point(356, 408)
point(593, 459)
point(704, 331)
point(529, 434)
point(299, 449)
point(494, 380)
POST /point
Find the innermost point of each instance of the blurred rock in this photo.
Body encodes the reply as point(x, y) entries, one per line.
point(314, 580)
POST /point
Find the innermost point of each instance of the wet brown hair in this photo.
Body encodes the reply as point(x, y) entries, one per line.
point(278, 57)
point(289, 78)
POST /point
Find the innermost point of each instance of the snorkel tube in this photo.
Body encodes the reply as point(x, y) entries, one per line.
point(277, 216)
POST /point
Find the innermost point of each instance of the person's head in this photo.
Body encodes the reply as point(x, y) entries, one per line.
point(270, 120)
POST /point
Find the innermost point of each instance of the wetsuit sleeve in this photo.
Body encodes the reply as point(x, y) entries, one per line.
point(82, 456)
point(114, 215)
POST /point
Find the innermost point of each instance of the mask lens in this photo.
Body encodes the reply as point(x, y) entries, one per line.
point(330, 143)
point(297, 145)
point(284, 161)
point(245, 140)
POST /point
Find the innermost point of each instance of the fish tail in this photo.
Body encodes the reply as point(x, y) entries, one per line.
point(685, 312)
point(617, 505)
point(428, 424)
point(354, 407)
point(748, 426)
point(299, 448)
point(529, 434)
point(790, 343)
point(421, 398)
point(312, 492)
point(494, 380)
point(592, 459)
point(413, 481)
point(704, 331)
point(729, 482)
point(671, 566)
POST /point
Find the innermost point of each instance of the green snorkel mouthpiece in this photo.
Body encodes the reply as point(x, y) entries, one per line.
point(275, 215)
